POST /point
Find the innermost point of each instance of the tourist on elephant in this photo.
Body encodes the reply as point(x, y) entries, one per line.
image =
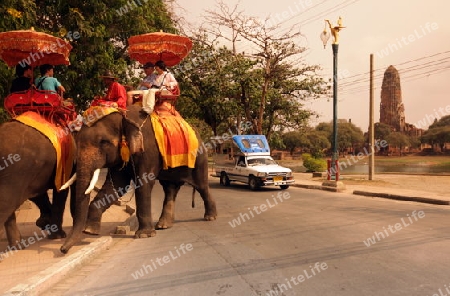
point(150, 77)
point(116, 92)
point(135, 96)
point(47, 81)
point(23, 80)
point(164, 81)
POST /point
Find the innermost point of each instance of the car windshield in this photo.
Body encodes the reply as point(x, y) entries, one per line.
point(261, 161)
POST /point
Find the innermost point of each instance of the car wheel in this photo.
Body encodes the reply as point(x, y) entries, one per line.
point(224, 180)
point(253, 183)
point(284, 187)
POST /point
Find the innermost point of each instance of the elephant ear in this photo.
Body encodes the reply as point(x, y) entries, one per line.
point(133, 135)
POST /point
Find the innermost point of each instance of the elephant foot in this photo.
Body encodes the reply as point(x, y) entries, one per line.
point(92, 228)
point(43, 221)
point(16, 245)
point(145, 233)
point(210, 216)
point(164, 224)
point(58, 234)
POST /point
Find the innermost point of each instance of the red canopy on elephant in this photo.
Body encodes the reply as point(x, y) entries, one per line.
point(152, 47)
point(29, 47)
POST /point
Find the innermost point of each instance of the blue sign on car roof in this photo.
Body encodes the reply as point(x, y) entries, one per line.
point(252, 143)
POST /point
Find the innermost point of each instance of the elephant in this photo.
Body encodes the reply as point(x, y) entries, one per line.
point(98, 146)
point(27, 171)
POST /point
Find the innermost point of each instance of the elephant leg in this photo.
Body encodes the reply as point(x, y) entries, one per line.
point(111, 191)
point(58, 206)
point(12, 231)
point(208, 201)
point(171, 189)
point(144, 209)
point(45, 207)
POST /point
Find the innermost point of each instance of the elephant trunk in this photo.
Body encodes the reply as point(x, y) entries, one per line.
point(82, 199)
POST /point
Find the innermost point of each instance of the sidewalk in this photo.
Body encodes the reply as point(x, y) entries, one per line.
point(432, 189)
point(41, 265)
point(32, 270)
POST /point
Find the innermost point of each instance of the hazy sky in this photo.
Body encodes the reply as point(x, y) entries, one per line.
point(411, 35)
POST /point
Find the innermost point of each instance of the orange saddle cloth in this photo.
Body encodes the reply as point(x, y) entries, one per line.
point(62, 141)
point(177, 141)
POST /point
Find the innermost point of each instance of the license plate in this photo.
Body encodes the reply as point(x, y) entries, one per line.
point(277, 179)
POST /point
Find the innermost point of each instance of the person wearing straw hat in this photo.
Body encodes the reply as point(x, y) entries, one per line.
point(116, 92)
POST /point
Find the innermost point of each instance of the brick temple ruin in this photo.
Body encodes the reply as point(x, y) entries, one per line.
point(392, 110)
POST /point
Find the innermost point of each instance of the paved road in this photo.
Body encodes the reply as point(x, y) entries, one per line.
point(305, 242)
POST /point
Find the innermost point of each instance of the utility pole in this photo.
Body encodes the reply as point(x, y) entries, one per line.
point(371, 125)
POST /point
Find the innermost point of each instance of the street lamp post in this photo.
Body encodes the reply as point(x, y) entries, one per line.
point(325, 36)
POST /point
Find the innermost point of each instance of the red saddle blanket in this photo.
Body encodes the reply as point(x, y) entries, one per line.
point(177, 141)
point(46, 103)
point(62, 141)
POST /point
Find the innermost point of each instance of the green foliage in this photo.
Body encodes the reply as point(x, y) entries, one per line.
point(276, 141)
point(293, 140)
point(382, 130)
point(265, 88)
point(397, 139)
point(314, 164)
point(348, 134)
point(438, 132)
point(103, 27)
point(318, 143)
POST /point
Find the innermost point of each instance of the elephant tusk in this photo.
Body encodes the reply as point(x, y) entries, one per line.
point(70, 182)
point(93, 182)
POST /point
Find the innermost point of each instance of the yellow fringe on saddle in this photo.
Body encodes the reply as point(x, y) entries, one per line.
point(124, 151)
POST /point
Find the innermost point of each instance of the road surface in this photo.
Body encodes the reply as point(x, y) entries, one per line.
point(274, 242)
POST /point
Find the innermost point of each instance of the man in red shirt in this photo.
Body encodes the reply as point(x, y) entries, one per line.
point(116, 92)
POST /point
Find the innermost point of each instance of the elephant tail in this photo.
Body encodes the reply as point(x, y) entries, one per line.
point(193, 197)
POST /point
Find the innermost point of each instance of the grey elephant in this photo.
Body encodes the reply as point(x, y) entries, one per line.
point(27, 171)
point(98, 146)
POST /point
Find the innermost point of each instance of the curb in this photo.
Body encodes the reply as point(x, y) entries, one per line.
point(380, 195)
point(403, 197)
point(47, 278)
point(317, 187)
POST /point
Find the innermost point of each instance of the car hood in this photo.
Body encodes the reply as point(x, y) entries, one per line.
point(272, 168)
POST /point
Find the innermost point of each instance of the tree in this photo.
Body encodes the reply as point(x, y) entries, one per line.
point(295, 139)
point(348, 134)
point(266, 86)
point(382, 130)
point(318, 143)
point(438, 133)
point(102, 28)
point(16, 15)
point(398, 139)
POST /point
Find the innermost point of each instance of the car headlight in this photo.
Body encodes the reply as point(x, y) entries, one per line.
point(288, 174)
point(260, 174)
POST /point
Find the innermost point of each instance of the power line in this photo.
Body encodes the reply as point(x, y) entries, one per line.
point(427, 66)
point(310, 19)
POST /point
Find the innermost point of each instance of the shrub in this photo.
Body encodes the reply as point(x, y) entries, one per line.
point(314, 164)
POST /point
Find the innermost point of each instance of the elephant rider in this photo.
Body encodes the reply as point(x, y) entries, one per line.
point(135, 96)
point(165, 82)
point(23, 80)
point(116, 95)
point(47, 81)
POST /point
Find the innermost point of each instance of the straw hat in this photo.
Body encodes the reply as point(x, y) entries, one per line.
point(109, 74)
